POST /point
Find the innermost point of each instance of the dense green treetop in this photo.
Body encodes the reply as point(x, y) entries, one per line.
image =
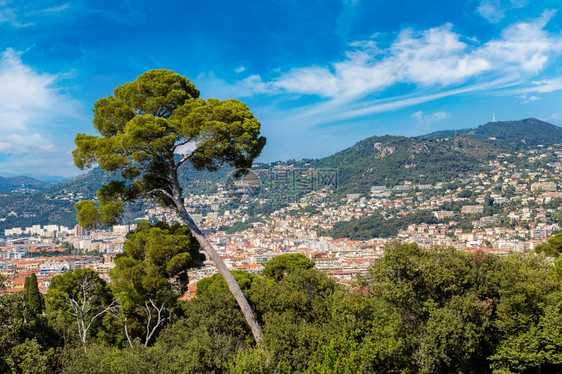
point(281, 265)
point(151, 274)
point(416, 311)
point(145, 124)
point(552, 247)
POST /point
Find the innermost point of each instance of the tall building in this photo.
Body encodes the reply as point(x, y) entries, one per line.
point(79, 231)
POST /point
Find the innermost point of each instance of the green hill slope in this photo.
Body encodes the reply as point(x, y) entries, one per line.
point(436, 157)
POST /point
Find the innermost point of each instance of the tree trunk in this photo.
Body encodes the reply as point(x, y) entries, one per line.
point(213, 255)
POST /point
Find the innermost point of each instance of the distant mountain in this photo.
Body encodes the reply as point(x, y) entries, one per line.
point(50, 179)
point(529, 132)
point(85, 185)
point(21, 184)
point(510, 134)
point(436, 157)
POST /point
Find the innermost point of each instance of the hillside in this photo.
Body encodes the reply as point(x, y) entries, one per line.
point(529, 132)
point(56, 203)
point(391, 160)
point(379, 160)
point(21, 184)
point(436, 157)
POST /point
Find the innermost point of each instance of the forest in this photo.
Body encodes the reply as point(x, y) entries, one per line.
point(415, 311)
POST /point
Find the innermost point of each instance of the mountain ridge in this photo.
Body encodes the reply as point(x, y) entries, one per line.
point(435, 157)
point(378, 160)
point(21, 184)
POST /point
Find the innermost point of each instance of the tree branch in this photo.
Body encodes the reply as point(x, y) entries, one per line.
point(161, 190)
point(111, 306)
point(127, 334)
point(180, 144)
point(158, 321)
point(184, 159)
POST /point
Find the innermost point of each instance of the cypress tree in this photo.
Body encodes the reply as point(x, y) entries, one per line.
point(33, 298)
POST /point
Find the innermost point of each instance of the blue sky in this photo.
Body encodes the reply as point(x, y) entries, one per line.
point(319, 75)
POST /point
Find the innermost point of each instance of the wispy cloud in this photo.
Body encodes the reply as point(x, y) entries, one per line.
point(27, 97)
point(32, 107)
point(8, 15)
point(24, 15)
point(547, 85)
point(327, 112)
point(249, 86)
point(494, 10)
point(538, 86)
point(427, 119)
point(526, 99)
point(416, 67)
point(434, 58)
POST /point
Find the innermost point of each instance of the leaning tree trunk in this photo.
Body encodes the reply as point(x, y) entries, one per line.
point(223, 269)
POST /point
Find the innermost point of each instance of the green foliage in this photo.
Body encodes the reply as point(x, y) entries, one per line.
point(251, 361)
point(11, 184)
point(76, 296)
point(416, 311)
point(294, 311)
point(215, 285)
point(142, 125)
point(465, 194)
point(281, 265)
point(339, 357)
point(34, 302)
point(31, 358)
point(376, 226)
point(517, 135)
point(152, 273)
point(24, 340)
point(444, 300)
point(239, 226)
point(102, 359)
point(391, 160)
point(34, 209)
point(552, 248)
point(538, 348)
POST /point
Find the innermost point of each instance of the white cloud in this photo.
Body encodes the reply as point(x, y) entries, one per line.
point(524, 45)
point(26, 95)
point(434, 58)
point(427, 65)
point(431, 57)
point(36, 114)
point(310, 80)
point(240, 69)
point(249, 86)
point(19, 17)
point(428, 119)
point(547, 85)
point(437, 57)
point(52, 10)
point(525, 99)
point(491, 10)
point(47, 148)
point(494, 10)
point(23, 143)
point(538, 86)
